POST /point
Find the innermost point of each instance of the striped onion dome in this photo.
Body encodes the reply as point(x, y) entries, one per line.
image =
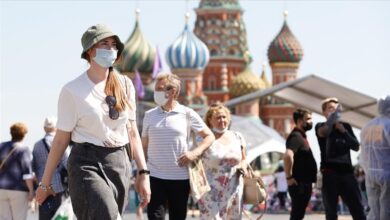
point(285, 47)
point(138, 53)
point(187, 52)
point(245, 83)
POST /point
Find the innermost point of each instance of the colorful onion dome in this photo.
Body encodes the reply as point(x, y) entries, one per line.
point(138, 52)
point(245, 83)
point(187, 52)
point(285, 47)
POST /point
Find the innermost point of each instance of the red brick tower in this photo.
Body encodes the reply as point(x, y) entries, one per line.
point(220, 25)
point(284, 55)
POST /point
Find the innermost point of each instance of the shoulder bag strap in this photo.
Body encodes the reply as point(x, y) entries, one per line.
point(188, 119)
point(130, 151)
point(45, 144)
point(6, 158)
point(243, 154)
point(48, 151)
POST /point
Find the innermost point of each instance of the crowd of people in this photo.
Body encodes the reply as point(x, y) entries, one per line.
point(96, 115)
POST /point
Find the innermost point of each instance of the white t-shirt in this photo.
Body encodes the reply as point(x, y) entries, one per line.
point(82, 110)
point(281, 182)
point(167, 140)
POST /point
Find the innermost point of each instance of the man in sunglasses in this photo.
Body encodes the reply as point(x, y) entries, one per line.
point(164, 138)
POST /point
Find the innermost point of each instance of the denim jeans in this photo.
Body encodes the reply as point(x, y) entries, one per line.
point(378, 198)
point(345, 185)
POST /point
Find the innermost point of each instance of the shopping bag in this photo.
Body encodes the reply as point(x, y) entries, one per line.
point(198, 179)
point(197, 175)
point(65, 211)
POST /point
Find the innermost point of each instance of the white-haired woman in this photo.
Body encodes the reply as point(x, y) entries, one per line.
point(164, 138)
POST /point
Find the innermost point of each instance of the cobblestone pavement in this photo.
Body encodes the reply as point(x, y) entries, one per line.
point(131, 216)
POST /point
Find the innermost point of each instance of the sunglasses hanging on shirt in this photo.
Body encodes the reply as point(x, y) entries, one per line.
point(112, 112)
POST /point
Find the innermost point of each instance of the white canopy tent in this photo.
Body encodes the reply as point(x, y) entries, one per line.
point(259, 137)
point(309, 91)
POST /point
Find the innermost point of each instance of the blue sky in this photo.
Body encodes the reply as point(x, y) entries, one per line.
point(343, 41)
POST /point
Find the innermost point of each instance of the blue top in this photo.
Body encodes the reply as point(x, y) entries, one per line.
point(17, 167)
point(40, 155)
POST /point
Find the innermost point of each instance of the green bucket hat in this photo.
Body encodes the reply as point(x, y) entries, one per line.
point(95, 34)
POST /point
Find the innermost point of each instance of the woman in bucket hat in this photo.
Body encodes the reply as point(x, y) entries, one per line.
point(96, 111)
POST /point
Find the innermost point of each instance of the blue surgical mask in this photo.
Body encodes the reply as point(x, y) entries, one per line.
point(105, 58)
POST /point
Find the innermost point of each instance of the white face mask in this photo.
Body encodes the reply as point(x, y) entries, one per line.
point(219, 131)
point(105, 58)
point(159, 98)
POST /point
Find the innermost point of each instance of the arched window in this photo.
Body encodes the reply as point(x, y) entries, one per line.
point(212, 83)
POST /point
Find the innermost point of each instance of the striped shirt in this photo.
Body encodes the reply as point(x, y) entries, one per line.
point(167, 140)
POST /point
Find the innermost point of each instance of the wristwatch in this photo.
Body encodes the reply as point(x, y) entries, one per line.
point(143, 171)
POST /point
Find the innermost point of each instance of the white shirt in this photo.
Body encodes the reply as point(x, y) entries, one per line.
point(281, 182)
point(167, 140)
point(82, 110)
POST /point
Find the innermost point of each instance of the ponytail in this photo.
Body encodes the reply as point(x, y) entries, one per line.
point(114, 88)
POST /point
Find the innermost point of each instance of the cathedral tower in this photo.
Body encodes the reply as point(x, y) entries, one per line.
point(220, 25)
point(284, 55)
point(187, 57)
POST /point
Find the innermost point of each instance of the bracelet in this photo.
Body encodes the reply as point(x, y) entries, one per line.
point(43, 187)
point(143, 171)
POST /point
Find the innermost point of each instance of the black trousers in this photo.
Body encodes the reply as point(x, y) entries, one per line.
point(344, 185)
point(282, 199)
point(168, 194)
point(300, 196)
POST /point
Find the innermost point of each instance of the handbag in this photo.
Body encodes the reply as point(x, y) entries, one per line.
point(198, 179)
point(254, 189)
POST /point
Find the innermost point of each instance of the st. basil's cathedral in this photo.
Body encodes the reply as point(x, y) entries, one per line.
point(213, 62)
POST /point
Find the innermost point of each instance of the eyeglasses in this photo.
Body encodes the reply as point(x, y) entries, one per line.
point(112, 112)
